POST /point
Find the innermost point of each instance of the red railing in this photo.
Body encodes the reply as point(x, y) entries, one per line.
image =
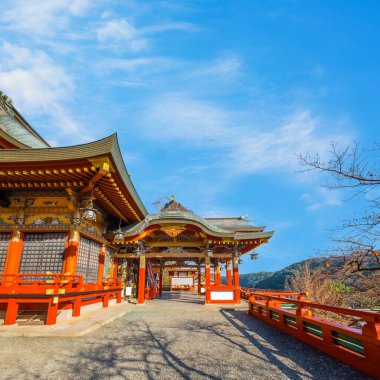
point(151, 292)
point(53, 292)
point(358, 347)
point(246, 292)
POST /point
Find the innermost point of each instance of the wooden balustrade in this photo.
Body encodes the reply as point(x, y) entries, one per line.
point(246, 292)
point(53, 292)
point(291, 313)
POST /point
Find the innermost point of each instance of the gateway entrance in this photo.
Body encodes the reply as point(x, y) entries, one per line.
point(176, 250)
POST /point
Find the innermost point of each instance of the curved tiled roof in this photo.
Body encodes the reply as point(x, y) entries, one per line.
point(175, 212)
point(108, 146)
point(16, 127)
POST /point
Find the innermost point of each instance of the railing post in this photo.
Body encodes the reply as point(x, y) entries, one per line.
point(77, 306)
point(251, 301)
point(105, 300)
point(51, 317)
point(371, 346)
point(11, 313)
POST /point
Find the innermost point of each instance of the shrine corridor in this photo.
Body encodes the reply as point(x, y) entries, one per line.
point(176, 337)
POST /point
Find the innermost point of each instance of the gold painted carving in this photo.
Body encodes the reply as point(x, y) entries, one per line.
point(103, 163)
point(173, 230)
point(74, 236)
point(16, 236)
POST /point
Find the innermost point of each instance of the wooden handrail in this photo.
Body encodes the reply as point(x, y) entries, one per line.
point(335, 309)
point(358, 347)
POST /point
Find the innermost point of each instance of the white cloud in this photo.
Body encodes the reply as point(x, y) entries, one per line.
point(246, 143)
point(123, 34)
point(321, 197)
point(133, 64)
point(38, 87)
point(261, 147)
point(222, 68)
point(164, 27)
point(32, 76)
point(42, 17)
point(117, 31)
point(186, 120)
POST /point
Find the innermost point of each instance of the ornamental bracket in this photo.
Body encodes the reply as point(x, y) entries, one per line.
point(103, 170)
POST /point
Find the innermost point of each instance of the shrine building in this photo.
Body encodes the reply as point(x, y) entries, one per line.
point(75, 235)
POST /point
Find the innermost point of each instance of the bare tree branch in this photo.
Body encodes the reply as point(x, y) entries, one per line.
point(358, 169)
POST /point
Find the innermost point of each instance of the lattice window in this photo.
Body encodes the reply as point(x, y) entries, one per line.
point(4, 243)
point(88, 259)
point(43, 253)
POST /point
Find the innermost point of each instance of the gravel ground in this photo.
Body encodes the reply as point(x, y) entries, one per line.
point(176, 338)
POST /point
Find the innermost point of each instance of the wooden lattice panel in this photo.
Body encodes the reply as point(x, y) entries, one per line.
point(4, 243)
point(43, 252)
point(88, 259)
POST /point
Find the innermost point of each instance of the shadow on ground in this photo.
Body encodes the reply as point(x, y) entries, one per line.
point(174, 343)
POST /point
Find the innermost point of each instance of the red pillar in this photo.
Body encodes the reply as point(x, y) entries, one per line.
point(13, 259)
point(161, 283)
point(228, 272)
point(199, 279)
point(102, 255)
point(236, 279)
point(71, 254)
point(208, 280)
point(115, 267)
point(141, 281)
point(217, 277)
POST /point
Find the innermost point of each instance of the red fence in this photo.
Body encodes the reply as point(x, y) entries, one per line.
point(291, 313)
point(52, 293)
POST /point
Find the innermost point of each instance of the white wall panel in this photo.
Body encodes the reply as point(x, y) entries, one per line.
point(222, 295)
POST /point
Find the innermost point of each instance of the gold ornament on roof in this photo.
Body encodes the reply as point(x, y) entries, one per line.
point(173, 230)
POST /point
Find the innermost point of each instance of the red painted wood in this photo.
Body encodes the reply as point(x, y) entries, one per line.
point(369, 335)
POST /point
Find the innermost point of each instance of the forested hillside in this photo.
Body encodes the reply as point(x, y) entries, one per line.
point(250, 280)
point(277, 280)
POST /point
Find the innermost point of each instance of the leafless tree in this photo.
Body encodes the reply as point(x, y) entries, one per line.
point(321, 289)
point(330, 289)
point(357, 170)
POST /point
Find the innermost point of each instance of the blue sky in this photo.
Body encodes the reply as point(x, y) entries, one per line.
point(211, 100)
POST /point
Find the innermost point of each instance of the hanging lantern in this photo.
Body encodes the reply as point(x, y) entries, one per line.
point(240, 261)
point(209, 253)
point(89, 212)
point(254, 256)
point(119, 236)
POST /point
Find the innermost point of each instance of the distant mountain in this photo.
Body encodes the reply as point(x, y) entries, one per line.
point(277, 280)
point(250, 280)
